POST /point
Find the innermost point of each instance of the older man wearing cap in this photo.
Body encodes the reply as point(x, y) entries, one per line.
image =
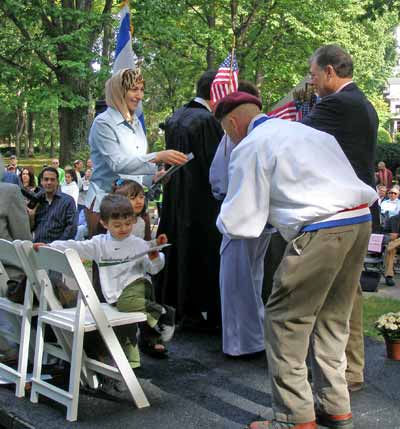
point(323, 214)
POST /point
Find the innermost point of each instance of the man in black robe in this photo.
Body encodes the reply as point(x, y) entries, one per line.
point(190, 281)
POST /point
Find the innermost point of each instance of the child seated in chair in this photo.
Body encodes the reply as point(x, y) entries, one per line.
point(150, 341)
point(122, 279)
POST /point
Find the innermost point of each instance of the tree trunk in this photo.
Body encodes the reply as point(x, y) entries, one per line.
point(72, 138)
point(73, 122)
point(31, 129)
point(19, 130)
point(210, 16)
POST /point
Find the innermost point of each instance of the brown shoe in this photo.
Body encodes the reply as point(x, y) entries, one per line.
point(355, 387)
point(275, 424)
point(344, 421)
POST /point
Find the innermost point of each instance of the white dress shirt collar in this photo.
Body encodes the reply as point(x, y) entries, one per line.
point(202, 102)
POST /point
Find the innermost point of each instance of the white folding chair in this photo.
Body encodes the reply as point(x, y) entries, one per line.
point(22, 315)
point(89, 315)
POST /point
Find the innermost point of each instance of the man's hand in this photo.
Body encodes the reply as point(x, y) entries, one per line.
point(37, 245)
point(172, 157)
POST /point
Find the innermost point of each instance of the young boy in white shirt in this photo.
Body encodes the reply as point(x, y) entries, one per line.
point(122, 277)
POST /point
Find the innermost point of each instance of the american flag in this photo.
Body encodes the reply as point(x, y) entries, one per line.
point(288, 111)
point(226, 80)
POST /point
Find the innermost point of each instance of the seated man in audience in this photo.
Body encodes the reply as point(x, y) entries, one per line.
point(393, 228)
point(61, 173)
point(391, 207)
point(382, 192)
point(55, 216)
point(122, 276)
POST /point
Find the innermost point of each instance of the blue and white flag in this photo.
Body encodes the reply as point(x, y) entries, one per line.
point(124, 55)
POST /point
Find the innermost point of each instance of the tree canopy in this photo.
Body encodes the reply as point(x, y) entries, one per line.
point(57, 54)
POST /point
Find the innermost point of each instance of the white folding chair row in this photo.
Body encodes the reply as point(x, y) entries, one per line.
point(89, 315)
point(22, 315)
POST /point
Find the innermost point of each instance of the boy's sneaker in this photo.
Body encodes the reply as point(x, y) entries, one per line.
point(166, 324)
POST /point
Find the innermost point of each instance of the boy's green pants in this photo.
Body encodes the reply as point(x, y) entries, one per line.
point(137, 296)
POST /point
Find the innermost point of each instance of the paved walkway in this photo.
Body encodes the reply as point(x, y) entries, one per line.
point(200, 388)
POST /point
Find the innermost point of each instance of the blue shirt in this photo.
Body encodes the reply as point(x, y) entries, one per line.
point(56, 221)
point(9, 177)
point(116, 147)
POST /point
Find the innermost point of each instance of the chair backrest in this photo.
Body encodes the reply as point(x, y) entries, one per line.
point(8, 254)
point(69, 264)
point(36, 276)
point(52, 259)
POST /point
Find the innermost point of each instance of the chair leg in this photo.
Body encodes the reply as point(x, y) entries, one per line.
point(37, 365)
point(23, 355)
point(76, 363)
point(39, 346)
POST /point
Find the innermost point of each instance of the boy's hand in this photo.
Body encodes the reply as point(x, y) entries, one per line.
point(161, 239)
point(37, 245)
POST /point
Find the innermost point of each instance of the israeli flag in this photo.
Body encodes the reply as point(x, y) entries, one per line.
point(124, 55)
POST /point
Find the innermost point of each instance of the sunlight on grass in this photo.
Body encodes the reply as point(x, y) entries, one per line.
point(375, 307)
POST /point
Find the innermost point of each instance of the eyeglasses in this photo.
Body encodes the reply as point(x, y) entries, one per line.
point(395, 193)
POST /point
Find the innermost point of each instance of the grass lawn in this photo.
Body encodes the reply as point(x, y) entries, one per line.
point(375, 307)
point(37, 163)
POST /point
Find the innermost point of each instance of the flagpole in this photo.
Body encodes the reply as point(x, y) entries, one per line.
point(231, 64)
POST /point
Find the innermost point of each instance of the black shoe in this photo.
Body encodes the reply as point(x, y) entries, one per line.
point(389, 281)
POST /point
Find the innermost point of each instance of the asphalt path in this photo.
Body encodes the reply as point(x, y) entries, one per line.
point(198, 387)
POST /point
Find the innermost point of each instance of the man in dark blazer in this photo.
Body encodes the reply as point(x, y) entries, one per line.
point(345, 112)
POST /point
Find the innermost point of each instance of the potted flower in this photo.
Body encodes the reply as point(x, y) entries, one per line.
point(388, 325)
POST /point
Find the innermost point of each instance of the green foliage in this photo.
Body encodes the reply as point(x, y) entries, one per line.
point(390, 154)
point(374, 307)
point(49, 49)
point(384, 137)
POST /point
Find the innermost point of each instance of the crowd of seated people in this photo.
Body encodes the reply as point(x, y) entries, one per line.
point(60, 219)
point(389, 203)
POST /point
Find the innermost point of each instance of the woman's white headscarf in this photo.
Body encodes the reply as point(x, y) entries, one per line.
point(117, 87)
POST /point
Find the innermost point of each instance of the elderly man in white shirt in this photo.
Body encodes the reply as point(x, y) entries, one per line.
point(323, 214)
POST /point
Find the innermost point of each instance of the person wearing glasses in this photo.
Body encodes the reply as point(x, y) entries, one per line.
point(391, 207)
point(345, 112)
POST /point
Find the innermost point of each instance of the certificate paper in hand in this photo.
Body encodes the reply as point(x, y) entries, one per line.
point(149, 250)
point(173, 170)
point(140, 255)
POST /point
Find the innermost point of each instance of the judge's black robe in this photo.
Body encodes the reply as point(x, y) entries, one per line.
point(190, 279)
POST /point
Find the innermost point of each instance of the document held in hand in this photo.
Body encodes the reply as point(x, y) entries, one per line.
point(173, 170)
point(149, 250)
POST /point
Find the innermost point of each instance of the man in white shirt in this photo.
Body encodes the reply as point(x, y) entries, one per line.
point(323, 214)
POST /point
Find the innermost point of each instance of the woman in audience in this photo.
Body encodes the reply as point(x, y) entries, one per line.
point(83, 189)
point(28, 180)
point(70, 186)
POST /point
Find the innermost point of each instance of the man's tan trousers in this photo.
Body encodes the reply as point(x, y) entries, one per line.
point(310, 304)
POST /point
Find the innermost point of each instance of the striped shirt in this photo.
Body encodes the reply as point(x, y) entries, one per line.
point(57, 220)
